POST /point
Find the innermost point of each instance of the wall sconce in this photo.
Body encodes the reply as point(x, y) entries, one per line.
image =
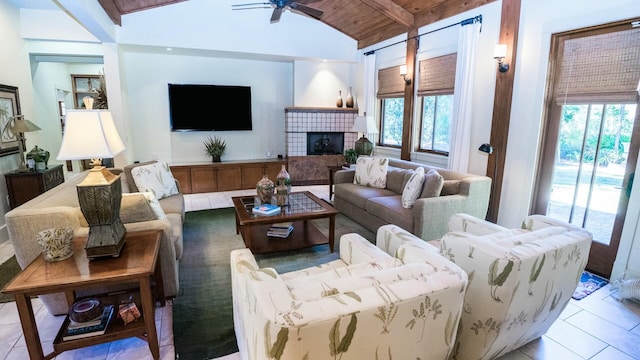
point(499, 53)
point(403, 73)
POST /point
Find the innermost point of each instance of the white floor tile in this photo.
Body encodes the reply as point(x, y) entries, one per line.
point(611, 353)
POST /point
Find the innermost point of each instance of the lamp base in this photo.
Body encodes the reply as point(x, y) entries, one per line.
point(363, 146)
point(105, 240)
point(100, 195)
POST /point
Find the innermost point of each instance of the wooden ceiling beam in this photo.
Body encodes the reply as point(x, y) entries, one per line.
point(392, 10)
point(112, 11)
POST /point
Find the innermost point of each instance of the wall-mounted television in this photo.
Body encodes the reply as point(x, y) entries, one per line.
point(194, 107)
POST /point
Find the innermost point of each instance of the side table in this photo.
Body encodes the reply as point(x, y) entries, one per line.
point(24, 186)
point(137, 263)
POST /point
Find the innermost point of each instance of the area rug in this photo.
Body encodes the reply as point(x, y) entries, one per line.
point(8, 270)
point(203, 311)
point(588, 284)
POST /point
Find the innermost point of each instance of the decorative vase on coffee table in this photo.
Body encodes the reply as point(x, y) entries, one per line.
point(265, 189)
point(283, 186)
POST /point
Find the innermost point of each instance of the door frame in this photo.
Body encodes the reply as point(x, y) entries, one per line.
point(601, 256)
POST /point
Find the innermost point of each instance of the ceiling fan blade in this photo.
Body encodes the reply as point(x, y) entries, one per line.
point(275, 17)
point(252, 7)
point(250, 4)
point(314, 13)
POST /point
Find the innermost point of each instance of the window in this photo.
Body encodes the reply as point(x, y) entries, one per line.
point(392, 118)
point(437, 80)
point(391, 94)
point(435, 123)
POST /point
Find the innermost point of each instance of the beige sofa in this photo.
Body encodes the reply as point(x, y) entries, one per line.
point(59, 207)
point(373, 207)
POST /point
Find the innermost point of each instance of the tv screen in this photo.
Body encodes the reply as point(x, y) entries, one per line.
point(209, 107)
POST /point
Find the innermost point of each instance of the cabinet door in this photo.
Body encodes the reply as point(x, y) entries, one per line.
point(203, 180)
point(183, 175)
point(229, 179)
point(272, 170)
point(251, 175)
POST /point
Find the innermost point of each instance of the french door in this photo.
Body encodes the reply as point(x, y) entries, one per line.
point(590, 141)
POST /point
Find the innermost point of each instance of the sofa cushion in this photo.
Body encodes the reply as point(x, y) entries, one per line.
point(413, 188)
point(389, 209)
point(156, 178)
point(358, 195)
point(131, 184)
point(371, 171)
point(450, 187)
point(397, 178)
point(433, 183)
point(173, 205)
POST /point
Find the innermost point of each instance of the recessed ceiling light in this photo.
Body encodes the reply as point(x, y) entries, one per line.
point(169, 49)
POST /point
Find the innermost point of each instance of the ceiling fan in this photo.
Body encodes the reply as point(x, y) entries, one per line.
point(281, 5)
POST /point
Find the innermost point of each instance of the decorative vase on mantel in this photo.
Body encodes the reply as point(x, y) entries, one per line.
point(349, 99)
point(265, 188)
point(339, 100)
point(283, 187)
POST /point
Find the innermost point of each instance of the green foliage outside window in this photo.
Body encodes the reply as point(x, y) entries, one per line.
point(392, 117)
point(436, 122)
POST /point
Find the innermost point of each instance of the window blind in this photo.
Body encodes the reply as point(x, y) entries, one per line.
point(390, 83)
point(437, 75)
point(601, 68)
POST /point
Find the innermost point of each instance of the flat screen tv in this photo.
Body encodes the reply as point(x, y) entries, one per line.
point(195, 107)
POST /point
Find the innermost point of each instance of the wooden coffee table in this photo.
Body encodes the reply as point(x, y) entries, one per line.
point(303, 206)
point(137, 262)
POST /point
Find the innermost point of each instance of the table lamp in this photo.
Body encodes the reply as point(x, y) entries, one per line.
point(91, 134)
point(18, 125)
point(366, 125)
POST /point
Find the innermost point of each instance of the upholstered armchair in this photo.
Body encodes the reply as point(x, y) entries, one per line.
point(365, 305)
point(520, 280)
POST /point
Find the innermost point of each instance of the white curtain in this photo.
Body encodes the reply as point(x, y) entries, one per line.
point(369, 84)
point(462, 113)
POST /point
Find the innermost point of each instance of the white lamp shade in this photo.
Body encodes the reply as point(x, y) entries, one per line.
point(365, 124)
point(500, 51)
point(403, 70)
point(89, 134)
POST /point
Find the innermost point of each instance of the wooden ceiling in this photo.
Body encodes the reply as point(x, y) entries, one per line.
point(366, 21)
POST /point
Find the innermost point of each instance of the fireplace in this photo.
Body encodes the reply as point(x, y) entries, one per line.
point(325, 143)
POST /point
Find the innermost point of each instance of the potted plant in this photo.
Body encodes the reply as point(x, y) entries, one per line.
point(350, 156)
point(215, 147)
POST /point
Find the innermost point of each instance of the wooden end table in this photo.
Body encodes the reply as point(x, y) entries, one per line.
point(137, 262)
point(304, 206)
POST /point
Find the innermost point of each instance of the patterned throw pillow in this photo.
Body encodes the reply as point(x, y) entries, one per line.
point(413, 189)
point(433, 183)
point(371, 172)
point(155, 178)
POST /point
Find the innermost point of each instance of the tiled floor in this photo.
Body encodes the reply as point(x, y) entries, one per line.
point(597, 327)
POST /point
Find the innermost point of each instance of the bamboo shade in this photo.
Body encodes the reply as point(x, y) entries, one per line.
point(390, 83)
point(437, 75)
point(600, 68)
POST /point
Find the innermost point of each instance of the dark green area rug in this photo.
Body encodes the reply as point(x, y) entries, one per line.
point(203, 312)
point(8, 270)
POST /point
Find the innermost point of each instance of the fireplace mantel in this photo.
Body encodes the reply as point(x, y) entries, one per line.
point(320, 109)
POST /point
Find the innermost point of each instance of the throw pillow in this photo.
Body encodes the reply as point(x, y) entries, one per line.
point(433, 183)
point(371, 172)
point(413, 189)
point(137, 207)
point(155, 178)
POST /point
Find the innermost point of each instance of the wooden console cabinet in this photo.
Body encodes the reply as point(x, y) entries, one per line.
point(24, 186)
point(224, 176)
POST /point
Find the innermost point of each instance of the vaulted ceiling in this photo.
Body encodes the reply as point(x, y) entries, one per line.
point(366, 21)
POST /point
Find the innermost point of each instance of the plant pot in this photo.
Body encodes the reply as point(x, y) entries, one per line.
point(215, 158)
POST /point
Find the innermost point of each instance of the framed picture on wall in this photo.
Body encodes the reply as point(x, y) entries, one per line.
point(9, 107)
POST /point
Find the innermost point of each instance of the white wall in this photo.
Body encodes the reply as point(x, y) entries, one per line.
point(14, 62)
point(317, 83)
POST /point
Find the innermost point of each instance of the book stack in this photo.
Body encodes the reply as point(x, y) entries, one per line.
point(280, 230)
point(266, 209)
point(97, 326)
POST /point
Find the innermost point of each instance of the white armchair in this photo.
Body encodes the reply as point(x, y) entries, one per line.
point(520, 280)
point(365, 305)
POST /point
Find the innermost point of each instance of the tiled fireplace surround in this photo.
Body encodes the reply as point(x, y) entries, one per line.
point(312, 169)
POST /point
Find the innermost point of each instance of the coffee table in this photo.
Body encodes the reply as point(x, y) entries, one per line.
point(303, 206)
point(137, 263)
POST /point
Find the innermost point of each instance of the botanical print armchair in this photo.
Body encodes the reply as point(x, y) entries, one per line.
point(520, 280)
point(365, 305)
